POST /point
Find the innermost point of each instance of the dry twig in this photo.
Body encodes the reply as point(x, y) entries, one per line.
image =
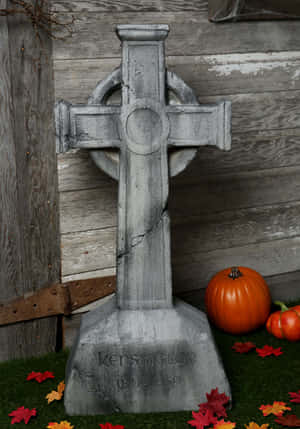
point(41, 18)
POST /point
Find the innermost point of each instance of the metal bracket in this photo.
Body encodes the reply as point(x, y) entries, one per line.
point(60, 298)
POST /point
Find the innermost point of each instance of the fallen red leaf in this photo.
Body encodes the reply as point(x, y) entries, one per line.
point(214, 395)
point(268, 351)
point(48, 374)
point(214, 407)
point(202, 418)
point(33, 375)
point(110, 426)
point(295, 396)
point(290, 420)
point(40, 376)
point(22, 414)
point(215, 403)
point(243, 347)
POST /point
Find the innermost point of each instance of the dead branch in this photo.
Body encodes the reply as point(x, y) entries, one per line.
point(42, 20)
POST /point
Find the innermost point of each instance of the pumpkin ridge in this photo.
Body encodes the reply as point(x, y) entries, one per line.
point(224, 316)
point(280, 326)
point(247, 292)
point(294, 311)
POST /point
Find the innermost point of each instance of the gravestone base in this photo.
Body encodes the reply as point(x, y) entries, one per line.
point(139, 361)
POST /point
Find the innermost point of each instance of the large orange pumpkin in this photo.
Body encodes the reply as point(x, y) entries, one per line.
point(238, 300)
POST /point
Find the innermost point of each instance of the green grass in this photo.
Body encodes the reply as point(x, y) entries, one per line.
point(254, 381)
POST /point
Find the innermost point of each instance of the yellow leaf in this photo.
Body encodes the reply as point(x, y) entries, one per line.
point(224, 425)
point(56, 395)
point(61, 387)
point(277, 408)
point(53, 396)
point(253, 425)
point(65, 425)
point(62, 425)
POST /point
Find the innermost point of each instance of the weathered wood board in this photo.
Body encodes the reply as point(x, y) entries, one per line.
point(29, 235)
point(268, 258)
point(129, 6)
point(81, 250)
point(191, 32)
point(225, 207)
point(206, 74)
point(228, 192)
point(250, 151)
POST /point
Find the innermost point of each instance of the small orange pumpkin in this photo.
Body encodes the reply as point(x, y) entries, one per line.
point(285, 323)
point(238, 300)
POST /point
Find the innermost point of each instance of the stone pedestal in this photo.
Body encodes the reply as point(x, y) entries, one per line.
point(142, 361)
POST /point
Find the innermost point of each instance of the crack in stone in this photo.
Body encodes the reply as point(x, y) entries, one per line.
point(136, 240)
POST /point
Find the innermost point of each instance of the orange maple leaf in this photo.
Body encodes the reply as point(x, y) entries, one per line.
point(224, 425)
point(277, 408)
point(61, 387)
point(62, 425)
point(53, 396)
point(56, 395)
point(253, 425)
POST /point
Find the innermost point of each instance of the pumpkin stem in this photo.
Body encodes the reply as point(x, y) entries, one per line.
point(235, 273)
point(282, 305)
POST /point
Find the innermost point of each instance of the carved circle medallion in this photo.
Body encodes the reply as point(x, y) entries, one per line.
point(144, 126)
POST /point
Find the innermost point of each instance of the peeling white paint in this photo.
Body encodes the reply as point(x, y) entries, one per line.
point(276, 235)
point(296, 74)
point(250, 68)
point(252, 64)
point(254, 57)
point(238, 58)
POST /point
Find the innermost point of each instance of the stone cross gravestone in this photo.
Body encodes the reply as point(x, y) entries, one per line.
point(141, 352)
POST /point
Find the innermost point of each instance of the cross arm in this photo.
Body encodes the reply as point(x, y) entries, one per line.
point(199, 125)
point(86, 126)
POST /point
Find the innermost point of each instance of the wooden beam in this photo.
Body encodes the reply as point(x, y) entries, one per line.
point(29, 218)
point(60, 298)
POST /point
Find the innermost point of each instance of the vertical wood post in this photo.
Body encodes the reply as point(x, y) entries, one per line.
point(29, 225)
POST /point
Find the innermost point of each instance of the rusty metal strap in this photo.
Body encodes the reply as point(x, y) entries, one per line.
point(61, 298)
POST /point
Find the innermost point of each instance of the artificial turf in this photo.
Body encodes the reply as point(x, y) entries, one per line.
point(254, 381)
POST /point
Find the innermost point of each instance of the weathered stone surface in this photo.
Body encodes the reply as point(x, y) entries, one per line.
point(143, 129)
point(141, 354)
point(142, 361)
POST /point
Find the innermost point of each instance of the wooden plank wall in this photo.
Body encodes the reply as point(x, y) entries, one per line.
point(235, 208)
point(29, 223)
